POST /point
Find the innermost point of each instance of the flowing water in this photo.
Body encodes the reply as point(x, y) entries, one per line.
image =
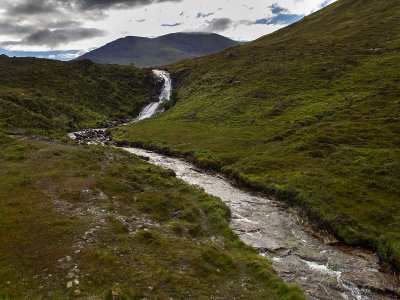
point(323, 271)
point(151, 109)
point(300, 257)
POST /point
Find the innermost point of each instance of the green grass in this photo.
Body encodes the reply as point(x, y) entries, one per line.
point(50, 97)
point(309, 114)
point(129, 228)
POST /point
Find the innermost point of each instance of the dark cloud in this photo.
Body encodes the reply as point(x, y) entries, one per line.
point(280, 19)
point(32, 7)
point(105, 4)
point(48, 22)
point(171, 25)
point(62, 24)
point(276, 9)
point(219, 24)
point(9, 27)
point(53, 38)
point(200, 15)
point(49, 6)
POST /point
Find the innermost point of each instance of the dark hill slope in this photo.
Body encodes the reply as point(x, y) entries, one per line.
point(310, 114)
point(166, 49)
point(46, 95)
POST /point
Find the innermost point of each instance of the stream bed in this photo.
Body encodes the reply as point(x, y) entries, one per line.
point(323, 271)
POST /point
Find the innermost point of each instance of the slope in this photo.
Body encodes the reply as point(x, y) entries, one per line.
point(97, 222)
point(309, 114)
point(166, 49)
point(39, 95)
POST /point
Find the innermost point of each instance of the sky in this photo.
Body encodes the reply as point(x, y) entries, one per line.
point(65, 29)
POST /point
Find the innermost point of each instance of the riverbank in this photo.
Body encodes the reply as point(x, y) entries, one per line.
point(116, 226)
point(322, 270)
point(301, 254)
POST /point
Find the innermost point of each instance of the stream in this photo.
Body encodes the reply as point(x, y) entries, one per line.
point(322, 269)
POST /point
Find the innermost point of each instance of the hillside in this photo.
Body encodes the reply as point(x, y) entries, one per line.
point(166, 49)
point(309, 114)
point(44, 96)
point(96, 222)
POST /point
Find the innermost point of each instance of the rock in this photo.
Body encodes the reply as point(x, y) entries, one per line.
point(177, 214)
point(77, 292)
point(372, 280)
point(69, 284)
point(150, 288)
point(70, 275)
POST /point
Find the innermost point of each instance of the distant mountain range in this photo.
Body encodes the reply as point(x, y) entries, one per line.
point(166, 49)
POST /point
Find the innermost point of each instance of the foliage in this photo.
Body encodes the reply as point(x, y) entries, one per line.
point(171, 102)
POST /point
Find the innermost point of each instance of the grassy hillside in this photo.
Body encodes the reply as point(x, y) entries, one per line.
point(43, 96)
point(99, 223)
point(310, 114)
point(166, 49)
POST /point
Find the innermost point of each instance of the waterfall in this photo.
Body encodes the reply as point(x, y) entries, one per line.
point(151, 109)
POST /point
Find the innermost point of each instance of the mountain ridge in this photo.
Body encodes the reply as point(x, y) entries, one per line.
point(166, 49)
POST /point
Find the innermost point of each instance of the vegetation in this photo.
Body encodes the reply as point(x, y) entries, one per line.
point(166, 49)
point(95, 221)
point(171, 102)
point(309, 114)
point(50, 97)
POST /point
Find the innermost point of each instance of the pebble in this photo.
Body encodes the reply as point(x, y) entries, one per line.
point(70, 275)
point(69, 284)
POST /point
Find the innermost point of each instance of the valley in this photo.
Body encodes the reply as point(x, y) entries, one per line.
point(260, 170)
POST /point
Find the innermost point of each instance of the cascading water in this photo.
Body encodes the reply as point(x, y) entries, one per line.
point(151, 109)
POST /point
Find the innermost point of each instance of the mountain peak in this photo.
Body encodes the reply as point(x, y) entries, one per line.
point(165, 49)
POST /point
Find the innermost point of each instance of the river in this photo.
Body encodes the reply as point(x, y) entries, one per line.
point(323, 271)
point(299, 255)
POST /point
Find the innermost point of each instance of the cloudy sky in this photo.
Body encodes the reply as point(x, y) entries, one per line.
point(66, 28)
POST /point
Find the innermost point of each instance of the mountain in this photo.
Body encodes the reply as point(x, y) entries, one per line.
point(308, 114)
point(166, 49)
